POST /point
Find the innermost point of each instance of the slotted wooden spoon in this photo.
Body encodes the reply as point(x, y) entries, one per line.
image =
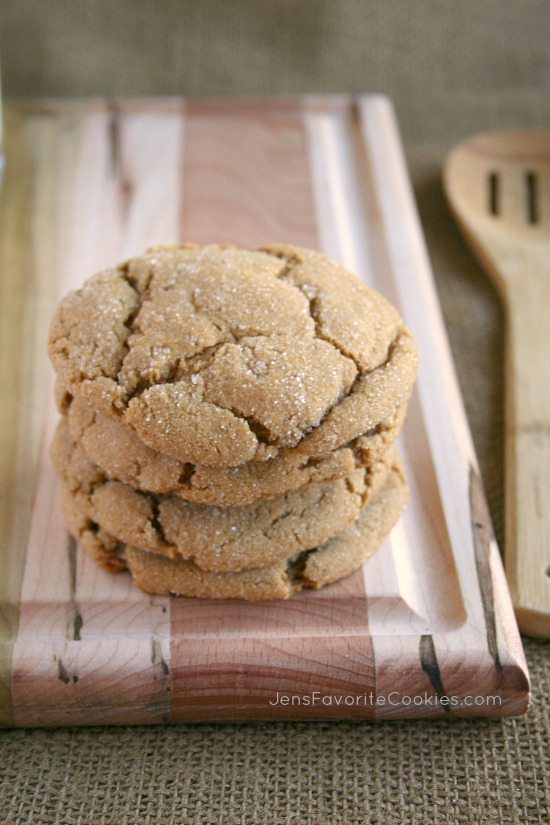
point(498, 186)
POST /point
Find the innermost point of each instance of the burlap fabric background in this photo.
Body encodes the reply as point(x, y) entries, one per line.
point(451, 69)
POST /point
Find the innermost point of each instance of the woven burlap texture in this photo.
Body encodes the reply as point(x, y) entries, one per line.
point(442, 773)
point(446, 65)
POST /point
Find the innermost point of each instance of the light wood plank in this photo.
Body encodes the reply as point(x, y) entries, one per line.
point(429, 614)
point(117, 198)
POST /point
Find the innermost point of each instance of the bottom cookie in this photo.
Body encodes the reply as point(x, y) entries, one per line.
point(312, 569)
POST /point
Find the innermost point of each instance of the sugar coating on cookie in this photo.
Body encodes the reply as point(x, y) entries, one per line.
point(134, 463)
point(215, 538)
point(220, 355)
point(312, 569)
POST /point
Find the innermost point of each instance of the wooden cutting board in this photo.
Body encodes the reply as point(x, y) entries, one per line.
point(426, 627)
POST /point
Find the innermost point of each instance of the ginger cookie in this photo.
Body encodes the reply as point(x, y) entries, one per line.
point(124, 457)
point(220, 355)
point(215, 538)
point(313, 568)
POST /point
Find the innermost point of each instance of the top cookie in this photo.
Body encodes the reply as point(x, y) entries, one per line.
point(220, 355)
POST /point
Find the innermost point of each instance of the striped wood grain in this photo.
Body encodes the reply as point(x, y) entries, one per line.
point(427, 616)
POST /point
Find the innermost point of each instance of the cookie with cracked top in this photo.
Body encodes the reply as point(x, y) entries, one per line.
point(312, 569)
point(221, 355)
point(124, 457)
point(218, 539)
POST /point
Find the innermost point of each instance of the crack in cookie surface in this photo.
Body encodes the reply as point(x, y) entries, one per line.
point(136, 464)
point(226, 538)
point(224, 356)
point(311, 568)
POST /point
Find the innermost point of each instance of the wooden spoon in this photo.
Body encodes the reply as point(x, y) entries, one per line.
point(498, 186)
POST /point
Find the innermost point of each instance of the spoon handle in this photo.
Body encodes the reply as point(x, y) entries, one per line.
point(527, 444)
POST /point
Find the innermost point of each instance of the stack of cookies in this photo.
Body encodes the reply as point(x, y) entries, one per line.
point(229, 418)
